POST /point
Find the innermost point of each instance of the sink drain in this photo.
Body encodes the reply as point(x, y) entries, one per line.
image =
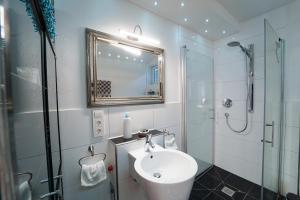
point(157, 175)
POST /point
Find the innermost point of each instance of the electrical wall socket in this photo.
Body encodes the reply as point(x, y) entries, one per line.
point(98, 123)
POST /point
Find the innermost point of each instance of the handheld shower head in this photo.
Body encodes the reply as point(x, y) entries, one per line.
point(238, 44)
point(234, 44)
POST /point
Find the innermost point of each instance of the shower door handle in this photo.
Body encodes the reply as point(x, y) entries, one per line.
point(272, 139)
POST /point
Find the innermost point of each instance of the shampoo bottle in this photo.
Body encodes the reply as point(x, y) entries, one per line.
point(127, 126)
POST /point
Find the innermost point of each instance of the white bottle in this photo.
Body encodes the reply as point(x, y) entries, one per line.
point(127, 126)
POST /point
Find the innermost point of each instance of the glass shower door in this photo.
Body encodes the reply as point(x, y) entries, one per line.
point(199, 105)
point(273, 113)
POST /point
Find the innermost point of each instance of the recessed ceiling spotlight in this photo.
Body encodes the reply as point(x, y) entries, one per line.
point(126, 57)
point(207, 20)
point(109, 54)
point(99, 53)
point(134, 59)
point(155, 3)
point(224, 32)
point(185, 19)
point(142, 60)
point(206, 31)
point(118, 56)
point(182, 4)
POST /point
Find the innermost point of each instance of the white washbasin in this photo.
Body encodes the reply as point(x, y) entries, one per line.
point(166, 174)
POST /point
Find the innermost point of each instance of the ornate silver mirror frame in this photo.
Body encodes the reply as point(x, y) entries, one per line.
point(92, 37)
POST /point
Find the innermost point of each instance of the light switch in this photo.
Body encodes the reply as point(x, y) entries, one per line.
point(98, 123)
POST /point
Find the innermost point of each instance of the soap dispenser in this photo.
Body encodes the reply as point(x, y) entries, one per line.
point(127, 132)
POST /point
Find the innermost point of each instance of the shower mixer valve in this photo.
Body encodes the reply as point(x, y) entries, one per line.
point(227, 103)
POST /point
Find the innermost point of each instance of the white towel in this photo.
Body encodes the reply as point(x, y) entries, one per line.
point(25, 191)
point(170, 142)
point(93, 174)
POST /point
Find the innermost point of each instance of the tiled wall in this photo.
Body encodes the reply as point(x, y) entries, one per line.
point(241, 154)
point(76, 123)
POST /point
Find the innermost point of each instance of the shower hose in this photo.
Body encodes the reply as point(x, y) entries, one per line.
point(248, 85)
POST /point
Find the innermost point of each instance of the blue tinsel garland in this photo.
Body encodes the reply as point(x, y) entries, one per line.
point(48, 13)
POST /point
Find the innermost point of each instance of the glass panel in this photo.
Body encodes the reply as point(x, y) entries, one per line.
point(273, 115)
point(53, 115)
point(6, 177)
point(24, 60)
point(199, 108)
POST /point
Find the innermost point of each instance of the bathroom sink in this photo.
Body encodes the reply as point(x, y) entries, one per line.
point(166, 174)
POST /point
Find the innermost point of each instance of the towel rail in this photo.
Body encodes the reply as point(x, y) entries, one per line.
point(26, 173)
point(91, 149)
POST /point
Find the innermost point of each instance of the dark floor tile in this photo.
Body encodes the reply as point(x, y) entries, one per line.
point(219, 173)
point(214, 196)
point(250, 198)
point(239, 183)
point(209, 181)
point(255, 192)
point(197, 185)
point(292, 196)
point(270, 195)
point(238, 195)
point(198, 191)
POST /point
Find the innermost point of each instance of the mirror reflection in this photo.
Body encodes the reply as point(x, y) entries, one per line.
point(124, 71)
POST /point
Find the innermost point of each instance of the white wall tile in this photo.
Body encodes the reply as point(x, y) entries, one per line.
point(141, 118)
point(76, 128)
point(252, 134)
point(290, 163)
point(177, 131)
point(289, 184)
point(291, 139)
point(167, 115)
point(235, 90)
point(72, 170)
point(238, 111)
point(26, 132)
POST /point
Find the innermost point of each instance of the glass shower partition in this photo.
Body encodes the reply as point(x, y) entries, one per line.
point(273, 117)
point(198, 107)
point(31, 88)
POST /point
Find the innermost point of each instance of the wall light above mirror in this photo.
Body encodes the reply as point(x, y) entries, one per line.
point(122, 71)
point(139, 37)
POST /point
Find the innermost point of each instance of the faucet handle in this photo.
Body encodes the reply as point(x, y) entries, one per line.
point(165, 131)
point(144, 135)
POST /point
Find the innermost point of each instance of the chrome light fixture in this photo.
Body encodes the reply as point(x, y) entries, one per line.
point(138, 37)
point(132, 50)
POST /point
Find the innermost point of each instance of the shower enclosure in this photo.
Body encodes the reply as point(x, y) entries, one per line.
point(274, 112)
point(198, 107)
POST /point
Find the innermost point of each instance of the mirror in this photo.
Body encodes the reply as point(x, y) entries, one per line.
point(122, 71)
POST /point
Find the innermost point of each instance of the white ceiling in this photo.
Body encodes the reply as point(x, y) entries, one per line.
point(243, 10)
point(223, 15)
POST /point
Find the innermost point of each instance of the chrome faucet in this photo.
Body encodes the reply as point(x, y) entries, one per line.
point(149, 144)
